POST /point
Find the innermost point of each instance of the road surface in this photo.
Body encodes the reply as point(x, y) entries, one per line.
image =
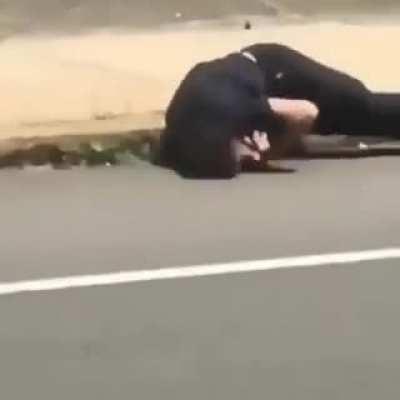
point(313, 333)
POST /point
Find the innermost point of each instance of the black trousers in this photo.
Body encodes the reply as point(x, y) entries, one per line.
point(346, 105)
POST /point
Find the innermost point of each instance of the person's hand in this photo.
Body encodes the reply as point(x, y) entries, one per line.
point(254, 153)
point(259, 141)
point(253, 147)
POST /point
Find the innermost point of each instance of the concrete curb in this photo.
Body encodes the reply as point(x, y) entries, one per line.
point(126, 147)
point(63, 151)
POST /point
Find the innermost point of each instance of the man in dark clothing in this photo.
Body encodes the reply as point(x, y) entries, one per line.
point(345, 105)
point(223, 102)
point(219, 102)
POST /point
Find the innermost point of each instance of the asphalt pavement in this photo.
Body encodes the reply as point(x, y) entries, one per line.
point(316, 333)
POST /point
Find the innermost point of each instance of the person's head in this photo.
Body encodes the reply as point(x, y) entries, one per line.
point(207, 156)
point(211, 154)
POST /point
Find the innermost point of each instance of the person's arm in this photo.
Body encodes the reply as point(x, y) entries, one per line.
point(299, 118)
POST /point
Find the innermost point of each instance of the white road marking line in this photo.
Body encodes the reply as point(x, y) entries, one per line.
point(124, 277)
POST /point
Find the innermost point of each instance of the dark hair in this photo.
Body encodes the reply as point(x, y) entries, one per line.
point(201, 155)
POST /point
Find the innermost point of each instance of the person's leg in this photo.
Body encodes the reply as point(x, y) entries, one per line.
point(344, 103)
point(386, 114)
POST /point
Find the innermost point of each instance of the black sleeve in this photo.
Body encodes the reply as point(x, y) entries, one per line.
point(258, 90)
point(266, 120)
